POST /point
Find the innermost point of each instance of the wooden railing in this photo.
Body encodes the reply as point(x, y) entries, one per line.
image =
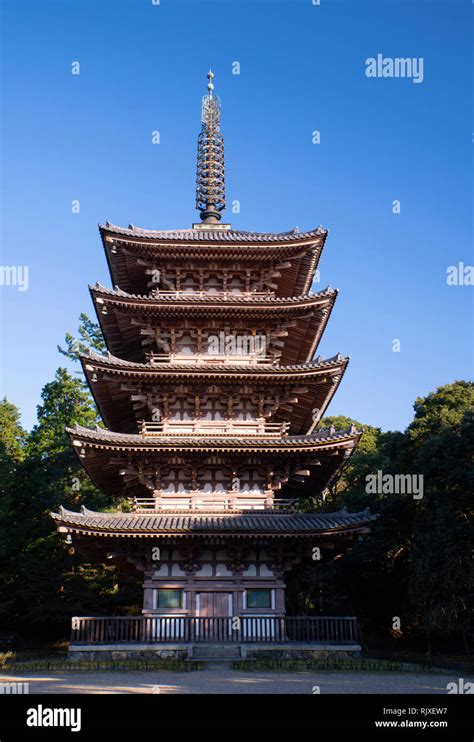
point(203, 359)
point(150, 629)
point(211, 503)
point(214, 427)
point(196, 293)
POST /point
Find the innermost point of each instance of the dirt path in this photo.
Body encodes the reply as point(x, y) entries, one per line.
point(228, 681)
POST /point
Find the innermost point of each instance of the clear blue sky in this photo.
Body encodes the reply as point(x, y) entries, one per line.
point(143, 68)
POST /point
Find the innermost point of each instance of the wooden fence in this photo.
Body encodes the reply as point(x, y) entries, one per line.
point(149, 629)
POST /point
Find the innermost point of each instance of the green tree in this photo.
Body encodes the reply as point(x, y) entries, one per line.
point(64, 404)
point(90, 337)
point(442, 442)
point(442, 409)
point(39, 567)
point(12, 453)
point(416, 562)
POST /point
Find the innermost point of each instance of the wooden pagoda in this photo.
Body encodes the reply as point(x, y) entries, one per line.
point(211, 395)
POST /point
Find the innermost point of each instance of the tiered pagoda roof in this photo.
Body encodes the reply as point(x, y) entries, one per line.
point(309, 315)
point(221, 234)
point(322, 454)
point(276, 525)
point(225, 417)
point(109, 379)
point(127, 248)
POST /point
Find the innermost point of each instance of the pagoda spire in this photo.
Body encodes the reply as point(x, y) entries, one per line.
point(210, 183)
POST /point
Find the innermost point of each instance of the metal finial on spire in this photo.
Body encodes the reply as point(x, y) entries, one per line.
point(210, 183)
point(210, 84)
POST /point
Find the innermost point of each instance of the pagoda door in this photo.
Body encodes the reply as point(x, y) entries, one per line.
point(216, 607)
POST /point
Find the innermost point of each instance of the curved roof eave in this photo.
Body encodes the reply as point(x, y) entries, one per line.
point(212, 235)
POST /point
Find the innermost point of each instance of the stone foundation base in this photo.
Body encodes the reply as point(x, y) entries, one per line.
point(182, 651)
point(123, 652)
point(299, 652)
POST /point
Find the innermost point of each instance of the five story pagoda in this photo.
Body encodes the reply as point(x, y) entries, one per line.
point(211, 397)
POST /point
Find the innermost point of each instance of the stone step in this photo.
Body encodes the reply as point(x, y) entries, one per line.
point(215, 652)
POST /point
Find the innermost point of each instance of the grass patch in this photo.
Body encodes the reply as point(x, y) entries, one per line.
point(12, 663)
point(463, 664)
point(348, 665)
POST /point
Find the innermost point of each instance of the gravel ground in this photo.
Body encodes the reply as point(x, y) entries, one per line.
point(228, 681)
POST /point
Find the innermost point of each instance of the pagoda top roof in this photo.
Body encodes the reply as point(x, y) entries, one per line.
point(296, 254)
point(268, 523)
point(212, 234)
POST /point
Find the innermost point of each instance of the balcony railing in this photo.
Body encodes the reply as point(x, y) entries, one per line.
point(150, 629)
point(211, 503)
point(208, 359)
point(230, 428)
point(196, 293)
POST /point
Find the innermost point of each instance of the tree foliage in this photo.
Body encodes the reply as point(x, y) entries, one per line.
point(42, 583)
point(416, 563)
point(90, 338)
